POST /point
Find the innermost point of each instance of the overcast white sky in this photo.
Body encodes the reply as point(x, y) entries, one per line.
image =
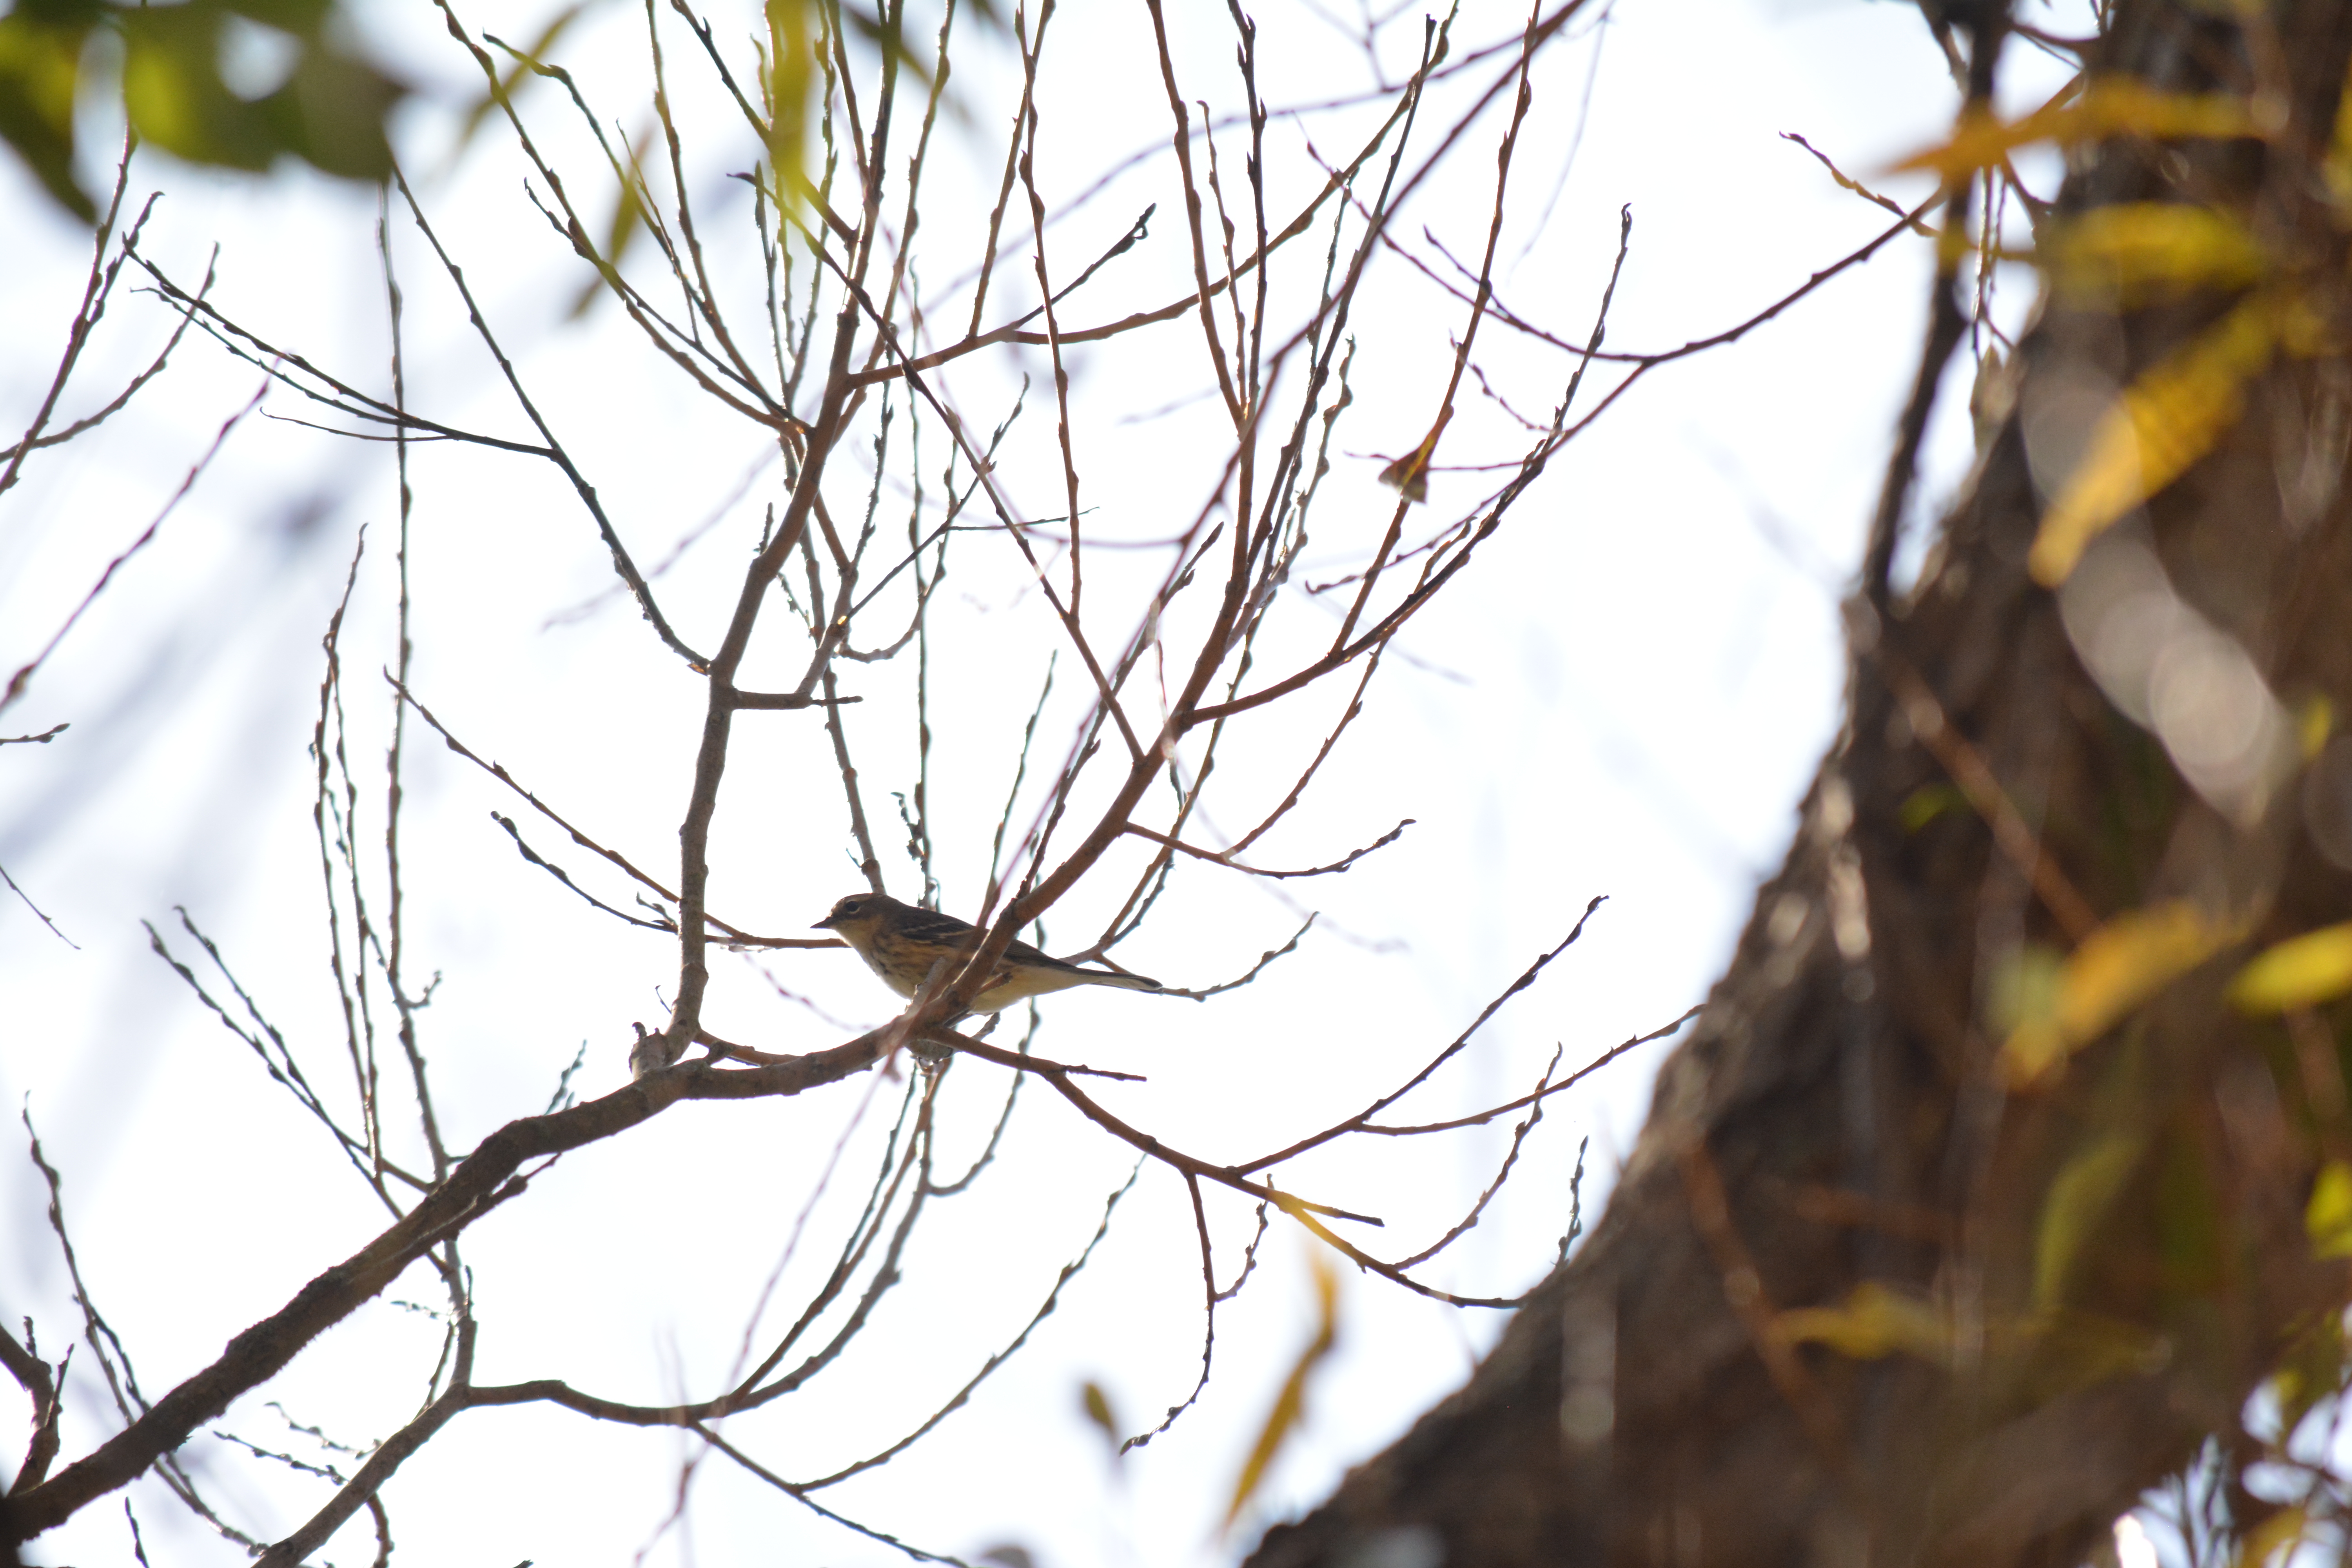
point(1625, 698)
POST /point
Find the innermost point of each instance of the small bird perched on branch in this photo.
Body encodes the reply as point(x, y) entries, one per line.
point(900, 943)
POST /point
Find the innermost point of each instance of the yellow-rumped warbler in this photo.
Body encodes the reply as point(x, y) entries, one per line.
point(900, 943)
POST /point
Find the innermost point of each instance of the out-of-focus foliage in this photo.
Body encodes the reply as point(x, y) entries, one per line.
point(2137, 253)
point(2328, 1216)
point(2174, 415)
point(1874, 1322)
point(2134, 254)
point(1290, 1405)
point(2112, 107)
point(329, 109)
point(2302, 971)
point(2117, 967)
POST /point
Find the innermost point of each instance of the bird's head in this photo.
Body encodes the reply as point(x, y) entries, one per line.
point(855, 915)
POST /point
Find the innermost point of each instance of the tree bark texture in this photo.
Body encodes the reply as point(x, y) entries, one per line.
point(2113, 1260)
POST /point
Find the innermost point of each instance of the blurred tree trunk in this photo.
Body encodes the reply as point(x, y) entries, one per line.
point(2066, 1287)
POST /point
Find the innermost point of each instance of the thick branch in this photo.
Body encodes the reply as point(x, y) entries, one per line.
point(483, 1180)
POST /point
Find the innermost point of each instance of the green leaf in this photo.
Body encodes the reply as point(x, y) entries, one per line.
point(69, 15)
point(330, 111)
point(2188, 1216)
point(2311, 1370)
point(2086, 1186)
point(40, 64)
point(172, 89)
point(303, 19)
point(628, 222)
point(790, 79)
point(1929, 802)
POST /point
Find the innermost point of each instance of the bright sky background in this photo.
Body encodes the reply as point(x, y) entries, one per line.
point(1625, 696)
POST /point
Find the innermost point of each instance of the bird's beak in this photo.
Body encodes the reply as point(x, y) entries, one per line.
point(824, 924)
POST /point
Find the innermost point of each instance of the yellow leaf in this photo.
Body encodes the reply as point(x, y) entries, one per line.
point(2312, 1368)
point(2301, 972)
point(1096, 1405)
point(2084, 1349)
point(2130, 959)
point(2032, 1048)
point(2172, 415)
point(2117, 967)
point(2315, 720)
point(1873, 1323)
point(1291, 1403)
point(1929, 802)
point(2337, 170)
point(628, 220)
point(2111, 106)
point(789, 80)
point(2135, 252)
point(2328, 1217)
point(502, 89)
point(2274, 1540)
point(2079, 1196)
point(2306, 330)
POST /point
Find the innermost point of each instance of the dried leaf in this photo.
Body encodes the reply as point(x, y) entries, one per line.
point(1409, 476)
point(2301, 972)
point(2164, 422)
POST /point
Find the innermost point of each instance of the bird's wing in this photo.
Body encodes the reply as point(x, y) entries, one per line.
point(1022, 953)
point(929, 925)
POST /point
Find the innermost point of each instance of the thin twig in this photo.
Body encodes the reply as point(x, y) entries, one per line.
point(17, 683)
